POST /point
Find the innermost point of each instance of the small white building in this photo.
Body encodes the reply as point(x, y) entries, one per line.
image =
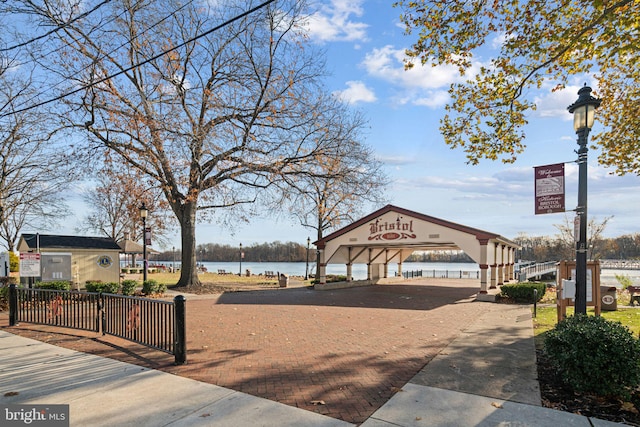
point(77, 259)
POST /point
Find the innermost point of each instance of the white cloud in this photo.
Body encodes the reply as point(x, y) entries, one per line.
point(334, 21)
point(554, 104)
point(422, 85)
point(387, 63)
point(356, 92)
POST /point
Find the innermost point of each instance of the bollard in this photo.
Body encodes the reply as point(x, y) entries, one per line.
point(13, 305)
point(180, 333)
point(535, 303)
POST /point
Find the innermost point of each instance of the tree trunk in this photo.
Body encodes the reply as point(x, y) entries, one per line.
point(188, 271)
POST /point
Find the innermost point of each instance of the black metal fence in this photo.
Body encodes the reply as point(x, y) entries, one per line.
point(153, 323)
point(442, 274)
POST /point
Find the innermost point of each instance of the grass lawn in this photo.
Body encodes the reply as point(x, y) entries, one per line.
point(547, 317)
point(170, 279)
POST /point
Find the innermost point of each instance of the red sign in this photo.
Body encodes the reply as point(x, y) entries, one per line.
point(549, 187)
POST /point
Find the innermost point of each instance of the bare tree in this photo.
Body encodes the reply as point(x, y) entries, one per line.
point(594, 239)
point(34, 170)
point(211, 113)
point(338, 189)
point(115, 201)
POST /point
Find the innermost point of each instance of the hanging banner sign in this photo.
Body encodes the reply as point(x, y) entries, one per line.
point(549, 188)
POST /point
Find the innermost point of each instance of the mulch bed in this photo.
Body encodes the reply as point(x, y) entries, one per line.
point(557, 395)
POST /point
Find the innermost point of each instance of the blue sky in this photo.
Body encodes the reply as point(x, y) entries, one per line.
point(364, 44)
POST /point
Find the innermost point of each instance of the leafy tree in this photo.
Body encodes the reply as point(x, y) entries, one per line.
point(210, 103)
point(543, 42)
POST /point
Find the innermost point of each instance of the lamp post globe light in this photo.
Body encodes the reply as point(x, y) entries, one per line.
point(241, 255)
point(583, 111)
point(143, 214)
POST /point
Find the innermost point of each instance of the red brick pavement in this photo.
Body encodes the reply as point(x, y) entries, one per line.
point(340, 353)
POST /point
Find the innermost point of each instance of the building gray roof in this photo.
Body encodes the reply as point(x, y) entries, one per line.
point(51, 241)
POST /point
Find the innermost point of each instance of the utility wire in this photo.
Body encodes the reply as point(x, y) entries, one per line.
point(146, 61)
point(112, 50)
point(55, 30)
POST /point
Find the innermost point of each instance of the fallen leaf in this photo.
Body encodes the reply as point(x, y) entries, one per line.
point(317, 402)
point(629, 407)
point(396, 389)
point(11, 393)
point(418, 418)
point(496, 405)
point(205, 415)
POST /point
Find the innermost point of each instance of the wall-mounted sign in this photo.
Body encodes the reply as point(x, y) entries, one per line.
point(549, 188)
point(391, 230)
point(105, 261)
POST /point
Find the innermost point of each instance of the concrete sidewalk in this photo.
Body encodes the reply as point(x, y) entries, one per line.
point(105, 392)
point(485, 377)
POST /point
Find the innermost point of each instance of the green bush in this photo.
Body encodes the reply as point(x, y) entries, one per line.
point(593, 355)
point(59, 285)
point(129, 287)
point(150, 287)
point(104, 287)
point(523, 292)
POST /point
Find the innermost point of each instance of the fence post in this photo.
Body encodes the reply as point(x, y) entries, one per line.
point(180, 338)
point(13, 305)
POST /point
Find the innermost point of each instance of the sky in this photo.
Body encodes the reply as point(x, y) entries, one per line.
point(364, 44)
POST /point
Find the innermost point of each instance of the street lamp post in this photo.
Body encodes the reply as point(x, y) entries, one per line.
point(306, 270)
point(241, 255)
point(173, 254)
point(143, 214)
point(583, 111)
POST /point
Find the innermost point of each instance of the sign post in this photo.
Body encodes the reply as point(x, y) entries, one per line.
point(29, 264)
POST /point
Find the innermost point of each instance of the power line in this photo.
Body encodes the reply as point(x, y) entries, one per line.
point(55, 30)
point(146, 61)
point(109, 52)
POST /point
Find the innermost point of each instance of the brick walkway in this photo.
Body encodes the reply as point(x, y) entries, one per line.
point(340, 353)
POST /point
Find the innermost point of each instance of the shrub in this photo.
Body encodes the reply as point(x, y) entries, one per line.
point(523, 292)
point(129, 287)
point(5, 281)
point(104, 287)
point(59, 285)
point(150, 287)
point(593, 355)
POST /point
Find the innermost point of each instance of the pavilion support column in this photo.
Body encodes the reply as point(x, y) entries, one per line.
point(494, 267)
point(483, 266)
point(400, 269)
point(349, 272)
point(494, 279)
point(483, 278)
point(386, 270)
point(510, 255)
point(501, 267)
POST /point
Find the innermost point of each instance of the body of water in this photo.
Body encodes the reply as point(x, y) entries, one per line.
point(607, 277)
point(298, 268)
